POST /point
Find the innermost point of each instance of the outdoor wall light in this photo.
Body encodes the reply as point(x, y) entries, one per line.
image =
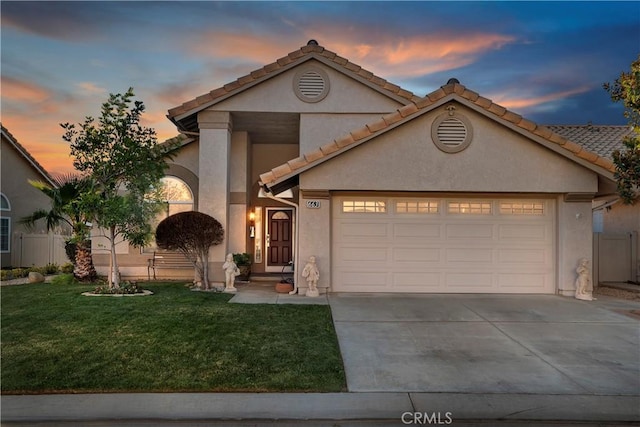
point(252, 224)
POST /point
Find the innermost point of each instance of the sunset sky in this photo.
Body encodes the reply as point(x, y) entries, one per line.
point(544, 60)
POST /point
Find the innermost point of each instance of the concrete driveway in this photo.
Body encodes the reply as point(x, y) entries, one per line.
point(488, 344)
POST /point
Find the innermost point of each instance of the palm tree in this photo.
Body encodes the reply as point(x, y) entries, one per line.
point(67, 208)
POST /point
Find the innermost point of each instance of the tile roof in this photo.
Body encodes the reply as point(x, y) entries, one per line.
point(601, 140)
point(310, 51)
point(452, 90)
point(23, 151)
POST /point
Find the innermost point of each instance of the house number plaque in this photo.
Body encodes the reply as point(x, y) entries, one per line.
point(313, 204)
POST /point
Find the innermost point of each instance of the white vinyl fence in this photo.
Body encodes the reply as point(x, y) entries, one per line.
point(38, 250)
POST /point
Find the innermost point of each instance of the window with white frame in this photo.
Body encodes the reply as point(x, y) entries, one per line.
point(470, 208)
point(4, 203)
point(522, 208)
point(177, 195)
point(417, 207)
point(364, 206)
point(5, 234)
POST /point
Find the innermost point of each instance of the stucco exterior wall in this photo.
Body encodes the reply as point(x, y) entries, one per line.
point(621, 219)
point(406, 159)
point(318, 129)
point(315, 239)
point(574, 242)
point(23, 198)
point(277, 95)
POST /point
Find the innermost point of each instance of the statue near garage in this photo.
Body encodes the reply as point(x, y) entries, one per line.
point(311, 273)
point(584, 285)
point(231, 271)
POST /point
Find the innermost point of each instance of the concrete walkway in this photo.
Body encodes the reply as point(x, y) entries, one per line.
point(472, 360)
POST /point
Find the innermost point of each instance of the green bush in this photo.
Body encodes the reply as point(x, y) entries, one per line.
point(66, 268)
point(242, 259)
point(64, 279)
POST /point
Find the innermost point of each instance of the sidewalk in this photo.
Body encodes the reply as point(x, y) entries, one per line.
point(389, 407)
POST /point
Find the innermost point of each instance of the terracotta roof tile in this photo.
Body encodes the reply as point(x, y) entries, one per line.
point(543, 131)
point(232, 86)
point(437, 95)
point(313, 155)
point(512, 117)
point(345, 140)
point(246, 79)
point(297, 163)
point(527, 124)
point(483, 102)
point(267, 177)
point(496, 109)
point(392, 118)
point(573, 147)
point(281, 170)
point(470, 95)
point(407, 110)
point(377, 125)
point(605, 163)
point(587, 155)
point(329, 148)
point(360, 133)
point(458, 88)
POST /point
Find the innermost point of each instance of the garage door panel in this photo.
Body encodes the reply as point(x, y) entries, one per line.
point(523, 232)
point(469, 231)
point(413, 255)
point(365, 281)
point(483, 255)
point(497, 251)
point(523, 256)
point(529, 282)
point(416, 281)
point(351, 230)
point(473, 280)
point(417, 231)
point(361, 253)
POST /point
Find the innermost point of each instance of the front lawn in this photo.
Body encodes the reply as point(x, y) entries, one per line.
point(56, 340)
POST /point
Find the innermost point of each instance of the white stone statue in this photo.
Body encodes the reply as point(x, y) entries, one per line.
point(584, 286)
point(231, 271)
point(311, 273)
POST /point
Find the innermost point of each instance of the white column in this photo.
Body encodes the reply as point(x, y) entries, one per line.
point(213, 189)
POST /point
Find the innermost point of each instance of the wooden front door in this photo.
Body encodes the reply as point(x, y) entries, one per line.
point(279, 238)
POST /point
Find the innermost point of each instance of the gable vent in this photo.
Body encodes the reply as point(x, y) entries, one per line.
point(311, 84)
point(452, 132)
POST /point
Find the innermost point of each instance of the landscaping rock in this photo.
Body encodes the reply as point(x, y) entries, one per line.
point(35, 277)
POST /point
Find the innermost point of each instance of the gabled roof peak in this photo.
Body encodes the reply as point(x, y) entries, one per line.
point(453, 90)
point(311, 50)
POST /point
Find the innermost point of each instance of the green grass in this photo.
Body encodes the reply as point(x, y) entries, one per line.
point(56, 340)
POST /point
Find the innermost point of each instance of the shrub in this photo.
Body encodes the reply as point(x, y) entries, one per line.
point(125, 288)
point(242, 259)
point(64, 279)
point(66, 268)
point(191, 233)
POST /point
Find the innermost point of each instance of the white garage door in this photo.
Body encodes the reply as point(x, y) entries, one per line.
point(448, 245)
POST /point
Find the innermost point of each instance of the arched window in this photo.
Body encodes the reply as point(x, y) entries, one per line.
point(177, 194)
point(4, 203)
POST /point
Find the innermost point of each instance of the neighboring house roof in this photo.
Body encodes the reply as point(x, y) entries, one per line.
point(311, 51)
point(286, 175)
point(28, 157)
point(599, 139)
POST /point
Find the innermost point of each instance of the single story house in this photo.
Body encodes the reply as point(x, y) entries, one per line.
point(312, 155)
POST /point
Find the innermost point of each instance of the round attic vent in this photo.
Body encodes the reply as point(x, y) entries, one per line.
point(311, 85)
point(451, 132)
